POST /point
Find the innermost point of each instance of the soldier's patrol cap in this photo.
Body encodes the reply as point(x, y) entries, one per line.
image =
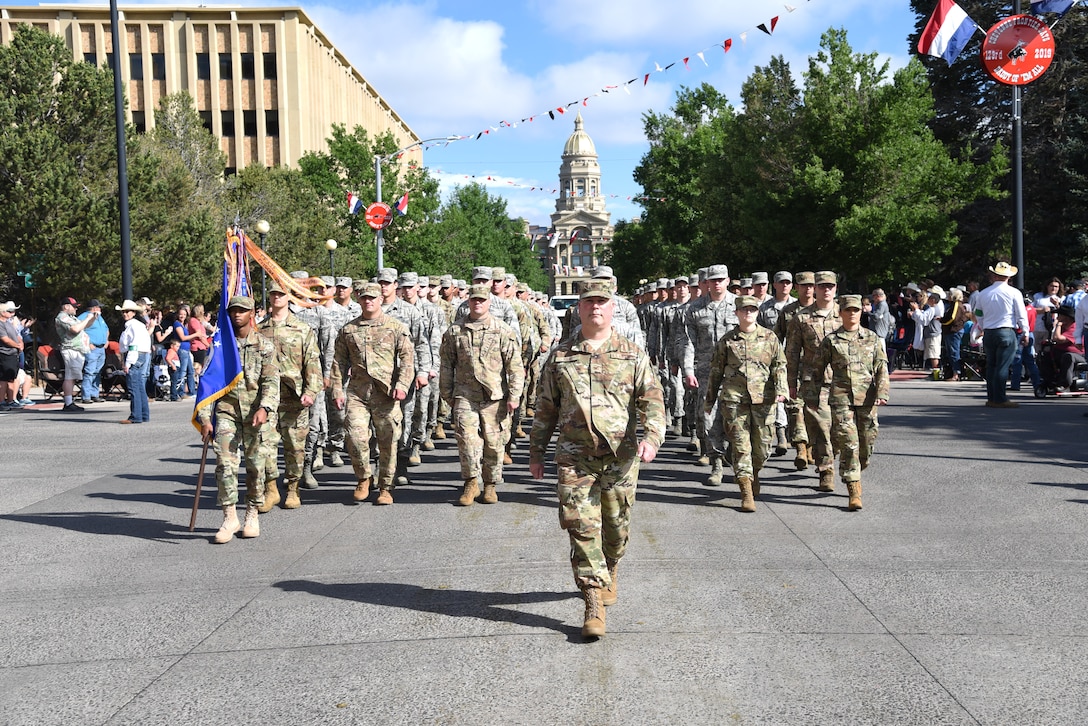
point(670, 284)
point(424, 281)
point(447, 281)
point(651, 287)
point(759, 278)
point(682, 279)
point(511, 279)
point(603, 272)
point(745, 282)
point(849, 301)
point(276, 287)
point(804, 278)
point(435, 280)
point(596, 288)
point(480, 292)
point(524, 287)
point(693, 280)
point(701, 272)
point(343, 281)
point(498, 273)
point(408, 279)
point(481, 273)
point(328, 280)
point(717, 272)
point(369, 289)
point(783, 276)
point(826, 277)
point(387, 274)
point(300, 274)
point(747, 301)
point(240, 301)
point(461, 284)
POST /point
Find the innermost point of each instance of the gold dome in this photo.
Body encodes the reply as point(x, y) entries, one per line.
point(579, 143)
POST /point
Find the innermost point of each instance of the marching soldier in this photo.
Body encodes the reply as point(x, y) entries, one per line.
point(796, 431)
point(340, 311)
point(481, 381)
point(376, 351)
point(627, 321)
point(318, 319)
point(859, 383)
point(769, 310)
point(241, 423)
point(408, 289)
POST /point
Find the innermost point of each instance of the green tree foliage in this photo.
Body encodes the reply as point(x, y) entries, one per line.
point(58, 180)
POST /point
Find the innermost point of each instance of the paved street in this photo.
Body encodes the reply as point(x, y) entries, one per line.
point(957, 596)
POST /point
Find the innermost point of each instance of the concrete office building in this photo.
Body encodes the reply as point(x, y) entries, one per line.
point(266, 81)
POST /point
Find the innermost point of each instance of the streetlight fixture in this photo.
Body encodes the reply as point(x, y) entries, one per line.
point(262, 232)
point(378, 237)
point(330, 245)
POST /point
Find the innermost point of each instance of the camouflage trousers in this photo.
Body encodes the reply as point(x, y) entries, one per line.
point(334, 420)
point(408, 413)
point(532, 378)
point(319, 424)
point(674, 405)
point(795, 421)
point(596, 495)
point(368, 407)
point(421, 414)
point(693, 410)
point(236, 437)
point(432, 408)
point(290, 424)
point(749, 429)
point(853, 431)
point(818, 422)
point(481, 428)
point(709, 426)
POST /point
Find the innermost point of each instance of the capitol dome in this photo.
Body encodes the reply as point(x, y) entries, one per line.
point(579, 143)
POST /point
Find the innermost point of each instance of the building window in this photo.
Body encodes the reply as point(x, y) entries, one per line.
point(270, 66)
point(203, 67)
point(226, 69)
point(139, 121)
point(158, 66)
point(272, 123)
point(91, 58)
point(136, 67)
point(206, 119)
point(227, 121)
point(230, 171)
point(248, 71)
point(249, 123)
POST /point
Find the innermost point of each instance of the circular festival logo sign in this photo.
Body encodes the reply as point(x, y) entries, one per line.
point(1018, 50)
point(379, 215)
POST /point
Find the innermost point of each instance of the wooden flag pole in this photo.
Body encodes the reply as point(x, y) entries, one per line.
point(199, 482)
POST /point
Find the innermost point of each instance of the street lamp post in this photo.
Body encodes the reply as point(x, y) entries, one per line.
point(379, 239)
point(330, 245)
point(262, 232)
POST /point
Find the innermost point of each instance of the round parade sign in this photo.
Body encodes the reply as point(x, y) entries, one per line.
point(379, 215)
point(1018, 50)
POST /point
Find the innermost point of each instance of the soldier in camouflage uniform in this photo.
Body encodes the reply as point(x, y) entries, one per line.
point(500, 308)
point(376, 351)
point(340, 311)
point(747, 378)
point(769, 310)
point(595, 387)
point(809, 377)
point(691, 408)
point(408, 289)
point(505, 285)
point(672, 355)
point(448, 302)
point(318, 320)
point(859, 383)
point(434, 296)
point(705, 322)
point(627, 321)
point(481, 381)
point(299, 363)
point(543, 331)
point(796, 431)
point(241, 423)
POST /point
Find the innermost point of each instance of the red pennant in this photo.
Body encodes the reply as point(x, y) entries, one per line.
point(763, 26)
point(728, 44)
point(646, 79)
point(686, 64)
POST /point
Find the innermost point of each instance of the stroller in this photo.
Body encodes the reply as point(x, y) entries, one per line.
point(160, 380)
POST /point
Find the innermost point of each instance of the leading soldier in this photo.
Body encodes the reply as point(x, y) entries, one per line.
point(594, 388)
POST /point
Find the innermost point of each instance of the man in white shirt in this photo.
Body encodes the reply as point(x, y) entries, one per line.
point(1000, 312)
point(135, 346)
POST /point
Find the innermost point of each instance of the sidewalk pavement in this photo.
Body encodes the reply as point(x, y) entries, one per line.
point(957, 596)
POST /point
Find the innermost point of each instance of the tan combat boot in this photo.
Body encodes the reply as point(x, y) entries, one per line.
point(800, 462)
point(703, 460)
point(271, 496)
point(827, 480)
point(385, 496)
point(319, 458)
point(252, 526)
point(428, 445)
point(780, 445)
point(610, 594)
point(469, 493)
point(292, 501)
point(593, 627)
point(230, 525)
point(362, 490)
point(530, 412)
point(519, 432)
point(717, 471)
point(336, 459)
point(439, 432)
point(747, 503)
point(506, 460)
point(855, 495)
point(309, 481)
point(693, 444)
point(489, 497)
point(413, 456)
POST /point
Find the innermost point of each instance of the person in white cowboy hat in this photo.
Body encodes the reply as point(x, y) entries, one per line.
point(1000, 312)
point(135, 346)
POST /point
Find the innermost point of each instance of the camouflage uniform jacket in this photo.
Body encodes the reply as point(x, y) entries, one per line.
point(596, 398)
point(803, 337)
point(859, 367)
point(705, 322)
point(747, 368)
point(297, 356)
point(672, 341)
point(260, 384)
point(319, 321)
point(377, 350)
point(785, 315)
point(770, 311)
point(543, 327)
point(432, 327)
point(408, 314)
point(447, 311)
point(481, 361)
point(500, 309)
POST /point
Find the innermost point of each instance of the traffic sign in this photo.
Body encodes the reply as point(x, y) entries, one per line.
point(1018, 50)
point(379, 215)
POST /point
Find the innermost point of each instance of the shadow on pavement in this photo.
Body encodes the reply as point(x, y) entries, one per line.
point(451, 603)
point(113, 523)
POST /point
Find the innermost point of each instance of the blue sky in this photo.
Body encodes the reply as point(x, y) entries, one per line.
point(458, 67)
